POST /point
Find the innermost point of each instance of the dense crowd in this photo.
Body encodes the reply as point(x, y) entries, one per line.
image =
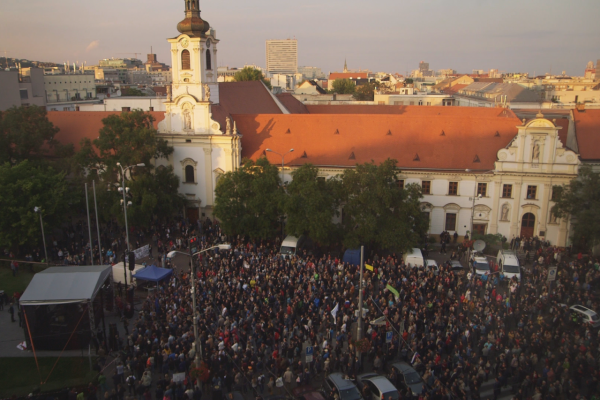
point(257, 311)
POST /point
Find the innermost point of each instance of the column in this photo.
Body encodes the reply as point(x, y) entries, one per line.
point(228, 160)
point(494, 217)
point(208, 176)
point(514, 224)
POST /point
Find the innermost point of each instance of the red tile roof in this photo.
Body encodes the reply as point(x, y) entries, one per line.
point(330, 140)
point(293, 105)
point(348, 75)
point(76, 125)
point(587, 128)
point(465, 112)
point(453, 89)
point(250, 97)
point(564, 132)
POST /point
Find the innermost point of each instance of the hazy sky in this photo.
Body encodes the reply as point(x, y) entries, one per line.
point(379, 35)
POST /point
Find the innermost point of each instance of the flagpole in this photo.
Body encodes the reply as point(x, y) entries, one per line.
point(360, 299)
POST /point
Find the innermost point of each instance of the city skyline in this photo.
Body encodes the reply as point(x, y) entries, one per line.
point(535, 36)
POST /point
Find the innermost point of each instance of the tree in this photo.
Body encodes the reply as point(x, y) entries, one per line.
point(366, 92)
point(130, 138)
point(581, 200)
point(343, 86)
point(24, 187)
point(249, 201)
point(377, 212)
point(311, 204)
point(251, 74)
point(26, 134)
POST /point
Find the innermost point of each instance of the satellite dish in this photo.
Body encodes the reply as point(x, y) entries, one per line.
point(479, 245)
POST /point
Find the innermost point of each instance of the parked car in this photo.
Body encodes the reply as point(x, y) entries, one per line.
point(480, 265)
point(345, 387)
point(379, 387)
point(431, 265)
point(585, 315)
point(407, 378)
point(456, 267)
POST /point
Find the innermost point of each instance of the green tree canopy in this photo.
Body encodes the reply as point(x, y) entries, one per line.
point(24, 187)
point(251, 74)
point(343, 86)
point(311, 205)
point(366, 92)
point(26, 134)
point(130, 138)
point(377, 212)
point(249, 201)
point(581, 200)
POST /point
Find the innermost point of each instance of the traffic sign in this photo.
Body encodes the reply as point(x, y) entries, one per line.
point(388, 336)
point(309, 354)
point(552, 274)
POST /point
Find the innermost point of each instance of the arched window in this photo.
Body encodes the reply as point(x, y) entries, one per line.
point(185, 59)
point(189, 174)
point(208, 62)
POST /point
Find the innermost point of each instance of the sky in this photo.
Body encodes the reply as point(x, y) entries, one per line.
point(535, 36)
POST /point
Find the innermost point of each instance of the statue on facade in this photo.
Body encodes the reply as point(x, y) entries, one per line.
point(228, 126)
point(553, 217)
point(206, 92)
point(504, 214)
point(536, 151)
point(187, 120)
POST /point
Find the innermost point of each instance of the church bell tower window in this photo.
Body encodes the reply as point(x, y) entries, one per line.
point(185, 59)
point(208, 61)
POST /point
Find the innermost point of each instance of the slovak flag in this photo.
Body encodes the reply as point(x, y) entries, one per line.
point(414, 357)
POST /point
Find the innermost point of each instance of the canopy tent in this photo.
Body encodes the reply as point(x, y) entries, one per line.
point(62, 285)
point(64, 305)
point(118, 274)
point(153, 273)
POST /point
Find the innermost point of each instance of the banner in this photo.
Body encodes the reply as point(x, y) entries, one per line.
point(142, 252)
point(335, 310)
point(369, 267)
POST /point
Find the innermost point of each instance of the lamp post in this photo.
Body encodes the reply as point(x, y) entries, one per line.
point(475, 197)
point(360, 298)
point(39, 211)
point(171, 254)
point(282, 160)
point(125, 190)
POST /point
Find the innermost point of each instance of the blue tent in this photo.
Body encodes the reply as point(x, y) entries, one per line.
point(153, 273)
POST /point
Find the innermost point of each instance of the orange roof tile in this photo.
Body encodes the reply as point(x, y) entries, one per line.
point(465, 112)
point(406, 138)
point(453, 89)
point(76, 125)
point(348, 75)
point(587, 129)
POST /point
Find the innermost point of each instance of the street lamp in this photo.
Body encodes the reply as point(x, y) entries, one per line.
point(39, 211)
point(475, 197)
point(282, 161)
point(125, 190)
point(171, 254)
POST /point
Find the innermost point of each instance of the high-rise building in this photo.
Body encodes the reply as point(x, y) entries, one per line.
point(282, 56)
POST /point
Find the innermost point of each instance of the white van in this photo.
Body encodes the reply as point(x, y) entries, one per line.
point(508, 263)
point(289, 246)
point(414, 257)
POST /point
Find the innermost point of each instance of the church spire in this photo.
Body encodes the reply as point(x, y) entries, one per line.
point(193, 25)
point(345, 66)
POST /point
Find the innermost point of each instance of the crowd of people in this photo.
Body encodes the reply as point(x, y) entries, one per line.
point(258, 311)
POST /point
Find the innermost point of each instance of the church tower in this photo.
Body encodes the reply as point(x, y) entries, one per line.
point(194, 71)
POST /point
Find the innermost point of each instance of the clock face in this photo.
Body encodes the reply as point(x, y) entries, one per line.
point(208, 43)
point(184, 42)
